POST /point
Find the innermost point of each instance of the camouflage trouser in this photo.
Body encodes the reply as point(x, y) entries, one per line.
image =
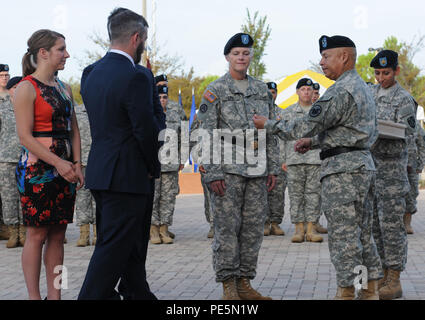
point(347, 202)
point(10, 200)
point(411, 203)
point(164, 201)
point(85, 206)
point(207, 201)
point(389, 230)
point(304, 192)
point(239, 218)
point(276, 199)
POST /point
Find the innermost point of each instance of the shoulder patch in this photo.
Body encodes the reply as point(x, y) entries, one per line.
point(315, 111)
point(203, 108)
point(210, 96)
point(412, 122)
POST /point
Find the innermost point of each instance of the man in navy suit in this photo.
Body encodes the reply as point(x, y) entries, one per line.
point(123, 160)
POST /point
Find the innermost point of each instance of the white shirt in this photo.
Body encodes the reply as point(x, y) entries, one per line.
point(124, 54)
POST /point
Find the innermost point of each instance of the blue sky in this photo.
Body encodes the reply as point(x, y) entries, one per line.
point(197, 30)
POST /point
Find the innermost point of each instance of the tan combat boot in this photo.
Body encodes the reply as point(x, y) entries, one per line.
point(392, 288)
point(163, 233)
point(320, 228)
point(4, 232)
point(346, 293)
point(311, 234)
point(13, 241)
point(155, 238)
point(211, 232)
point(371, 293)
point(267, 229)
point(246, 292)
point(94, 235)
point(299, 233)
point(407, 218)
point(22, 235)
point(230, 291)
point(84, 239)
point(382, 281)
point(276, 230)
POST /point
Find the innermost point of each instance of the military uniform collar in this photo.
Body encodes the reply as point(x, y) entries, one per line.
point(391, 90)
point(347, 75)
point(234, 89)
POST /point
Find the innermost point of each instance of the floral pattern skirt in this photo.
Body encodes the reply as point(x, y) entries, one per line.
point(46, 197)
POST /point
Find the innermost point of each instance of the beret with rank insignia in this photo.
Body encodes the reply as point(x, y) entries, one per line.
point(385, 59)
point(162, 90)
point(326, 42)
point(160, 78)
point(4, 67)
point(316, 86)
point(272, 85)
point(304, 82)
point(242, 40)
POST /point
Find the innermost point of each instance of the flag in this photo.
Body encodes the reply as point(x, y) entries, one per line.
point(192, 116)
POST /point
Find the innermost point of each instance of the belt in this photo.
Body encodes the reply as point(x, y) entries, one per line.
point(64, 134)
point(338, 150)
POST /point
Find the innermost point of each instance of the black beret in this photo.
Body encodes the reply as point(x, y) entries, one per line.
point(12, 82)
point(304, 82)
point(243, 40)
point(272, 85)
point(316, 86)
point(162, 90)
point(160, 78)
point(4, 67)
point(385, 59)
point(326, 42)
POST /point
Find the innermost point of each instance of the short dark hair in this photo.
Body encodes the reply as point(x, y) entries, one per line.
point(123, 23)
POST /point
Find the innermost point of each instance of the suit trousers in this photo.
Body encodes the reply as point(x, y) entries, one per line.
point(123, 222)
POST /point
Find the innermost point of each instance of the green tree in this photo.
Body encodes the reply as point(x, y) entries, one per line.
point(363, 67)
point(260, 32)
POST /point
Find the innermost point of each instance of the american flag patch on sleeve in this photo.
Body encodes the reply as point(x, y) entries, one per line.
point(210, 96)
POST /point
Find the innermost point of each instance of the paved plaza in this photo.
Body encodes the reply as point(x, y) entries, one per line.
point(183, 270)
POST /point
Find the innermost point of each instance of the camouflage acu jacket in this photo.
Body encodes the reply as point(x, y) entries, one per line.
point(224, 106)
point(10, 147)
point(345, 116)
point(290, 156)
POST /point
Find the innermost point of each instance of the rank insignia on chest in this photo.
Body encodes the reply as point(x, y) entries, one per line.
point(210, 96)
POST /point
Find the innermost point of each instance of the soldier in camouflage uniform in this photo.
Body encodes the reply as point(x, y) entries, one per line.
point(207, 196)
point(393, 158)
point(276, 197)
point(238, 189)
point(316, 93)
point(85, 205)
point(167, 185)
point(303, 172)
point(413, 176)
point(9, 156)
point(343, 124)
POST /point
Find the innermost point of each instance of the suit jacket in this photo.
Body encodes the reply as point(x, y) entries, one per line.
point(158, 112)
point(119, 102)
